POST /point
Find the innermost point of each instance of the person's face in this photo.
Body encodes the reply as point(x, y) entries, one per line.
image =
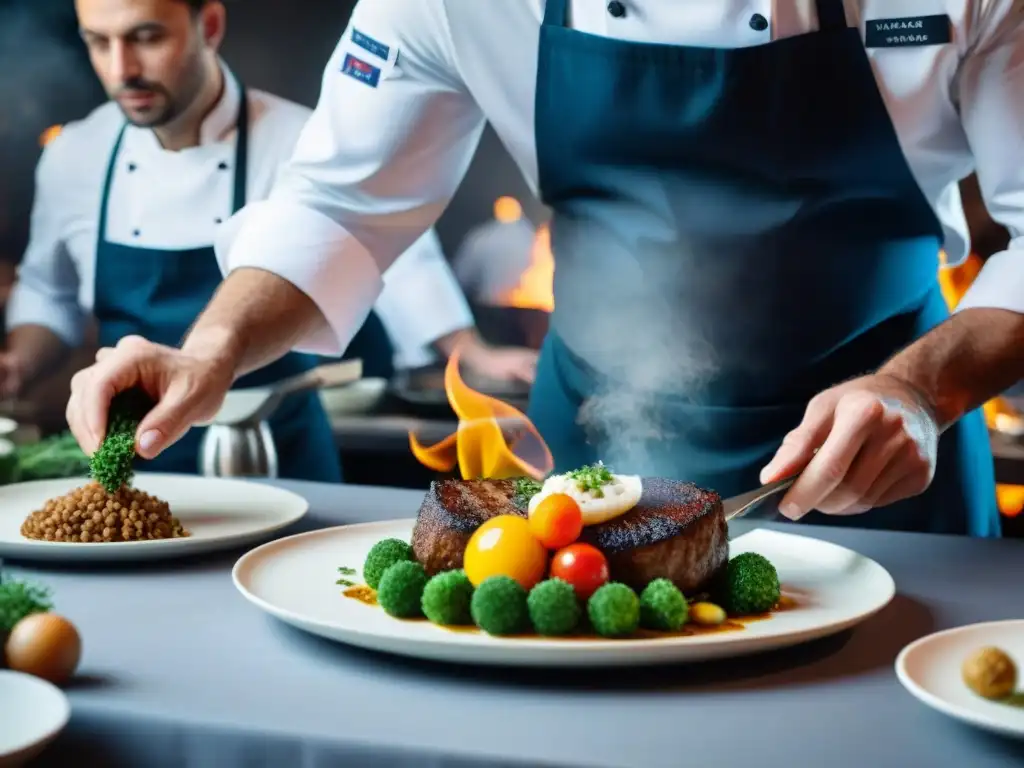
point(150, 54)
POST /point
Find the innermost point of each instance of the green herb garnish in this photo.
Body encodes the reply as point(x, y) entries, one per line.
point(525, 489)
point(19, 599)
point(347, 571)
point(113, 464)
point(345, 582)
point(592, 478)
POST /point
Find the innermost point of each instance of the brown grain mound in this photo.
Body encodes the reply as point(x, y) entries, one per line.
point(91, 515)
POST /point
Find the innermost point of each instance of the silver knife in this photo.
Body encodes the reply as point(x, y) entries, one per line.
point(739, 506)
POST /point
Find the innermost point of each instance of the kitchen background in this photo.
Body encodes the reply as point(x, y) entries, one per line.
point(46, 80)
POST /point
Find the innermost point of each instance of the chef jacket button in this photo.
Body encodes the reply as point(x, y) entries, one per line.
point(222, 166)
point(758, 22)
point(136, 233)
point(218, 220)
point(131, 167)
point(616, 9)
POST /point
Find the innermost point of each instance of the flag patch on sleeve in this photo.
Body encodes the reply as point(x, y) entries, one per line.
point(361, 70)
point(367, 43)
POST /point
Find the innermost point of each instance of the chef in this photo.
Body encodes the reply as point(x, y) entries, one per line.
point(749, 199)
point(127, 202)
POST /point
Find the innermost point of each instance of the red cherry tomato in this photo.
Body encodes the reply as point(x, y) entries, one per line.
point(583, 566)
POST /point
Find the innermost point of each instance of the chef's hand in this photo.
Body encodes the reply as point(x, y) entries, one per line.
point(876, 442)
point(188, 388)
point(500, 363)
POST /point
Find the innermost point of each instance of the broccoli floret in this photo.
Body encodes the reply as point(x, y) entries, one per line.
point(751, 585)
point(401, 589)
point(499, 607)
point(662, 606)
point(382, 556)
point(446, 599)
point(113, 463)
point(553, 607)
point(614, 610)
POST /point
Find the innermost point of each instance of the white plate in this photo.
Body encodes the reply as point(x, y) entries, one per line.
point(930, 669)
point(218, 513)
point(32, 713)
point(293, 579)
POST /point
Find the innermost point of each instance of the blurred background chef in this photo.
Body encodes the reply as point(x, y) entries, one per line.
point(127, 201)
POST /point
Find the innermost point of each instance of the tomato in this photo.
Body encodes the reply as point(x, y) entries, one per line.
point(557, 521)
point(583, 566)
point(504, 546)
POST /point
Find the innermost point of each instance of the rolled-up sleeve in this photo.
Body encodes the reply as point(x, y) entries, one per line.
point(379, 159)
point(45, 292)
point(991, 93)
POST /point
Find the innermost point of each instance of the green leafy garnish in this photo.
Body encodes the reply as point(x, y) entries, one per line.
point(113, 464)
point(526, 489)
point(19, 599)
point(345, 582)
point(347, 571)
point(592, 478)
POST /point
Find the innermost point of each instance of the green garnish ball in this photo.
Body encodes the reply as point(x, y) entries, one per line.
point(446, 599)
point(614, 610)
point(553, 607)
point(751, 585)
point(662, 606)
point(499, 606)
point(400, 592)
point(383, 555)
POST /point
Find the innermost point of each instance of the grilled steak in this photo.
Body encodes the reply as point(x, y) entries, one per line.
point(676, 531)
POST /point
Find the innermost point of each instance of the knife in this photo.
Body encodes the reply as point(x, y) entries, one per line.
point(740, 506)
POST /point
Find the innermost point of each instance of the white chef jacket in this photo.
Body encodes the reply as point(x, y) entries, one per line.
point(176, 200)
point(377, 164)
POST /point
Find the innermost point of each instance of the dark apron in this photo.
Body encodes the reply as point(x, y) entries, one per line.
point(157, 294)
point(735, 230)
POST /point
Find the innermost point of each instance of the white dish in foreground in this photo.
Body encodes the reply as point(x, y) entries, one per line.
point(294, 578)
point(218, 513)
point(930, 669)
point(32, 713)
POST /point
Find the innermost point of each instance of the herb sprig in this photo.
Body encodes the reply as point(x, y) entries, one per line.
point(19, 599)
point(592, 478)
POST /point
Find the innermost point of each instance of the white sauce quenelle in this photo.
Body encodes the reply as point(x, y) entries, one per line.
point(617, 497)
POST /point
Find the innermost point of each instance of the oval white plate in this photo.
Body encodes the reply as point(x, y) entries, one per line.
point(218, 513)
point(293, 579)
point(32, 713)
point(930, 669)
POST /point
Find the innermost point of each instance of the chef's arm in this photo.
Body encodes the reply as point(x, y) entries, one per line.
point(979, 352)
point(373, 168)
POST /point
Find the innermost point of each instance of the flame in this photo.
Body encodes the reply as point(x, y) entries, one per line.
point(49, 135)
point(534, 289)
point(507, 210)
point(491, 440)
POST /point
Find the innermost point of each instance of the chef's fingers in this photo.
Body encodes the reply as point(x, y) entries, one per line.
point(799, 445)
point(92, 389)
point(857, 415)
point(908, 474)
point(183, 402)
point(102, 353)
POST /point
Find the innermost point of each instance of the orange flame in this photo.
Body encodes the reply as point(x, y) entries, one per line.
point(534, 289)
point(491, 440)
point(49, 135)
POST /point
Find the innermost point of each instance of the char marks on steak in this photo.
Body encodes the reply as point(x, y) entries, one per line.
point(676, 531)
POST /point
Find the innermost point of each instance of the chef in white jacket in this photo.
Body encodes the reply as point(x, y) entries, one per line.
point(748, 202)
point(128, 201)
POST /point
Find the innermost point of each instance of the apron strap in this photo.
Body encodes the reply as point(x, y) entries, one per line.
point(555, 13)
point(101, 227)
point(241, 149)
point(831, 15)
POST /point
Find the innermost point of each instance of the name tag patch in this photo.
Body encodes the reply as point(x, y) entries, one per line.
point(909, 31)
point(367, 43)
point(361, 70)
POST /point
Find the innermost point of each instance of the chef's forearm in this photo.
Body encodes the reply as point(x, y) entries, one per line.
point(38, 351)
point(969, 359)
point(254, 318)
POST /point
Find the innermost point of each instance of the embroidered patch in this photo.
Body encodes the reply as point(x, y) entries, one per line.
point(909, 31)
point(361, 70)
point(367, 43)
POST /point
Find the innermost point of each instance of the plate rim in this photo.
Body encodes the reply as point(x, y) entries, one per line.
point(65, 717)
point(529, 644)
point(935, 702)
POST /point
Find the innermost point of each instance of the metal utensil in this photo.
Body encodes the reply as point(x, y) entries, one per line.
point(742, 505)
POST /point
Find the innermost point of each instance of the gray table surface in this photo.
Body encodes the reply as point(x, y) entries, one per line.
point(179, 670)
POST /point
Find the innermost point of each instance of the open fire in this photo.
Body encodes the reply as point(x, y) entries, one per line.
point(534, 290)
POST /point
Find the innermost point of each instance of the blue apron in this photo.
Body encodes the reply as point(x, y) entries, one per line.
point(157, 294)
point(734, 231)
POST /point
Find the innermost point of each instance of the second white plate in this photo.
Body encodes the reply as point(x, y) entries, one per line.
point(218, 513)
point(32, 713)
point(293, 579)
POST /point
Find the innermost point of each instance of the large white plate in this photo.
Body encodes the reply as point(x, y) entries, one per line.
point(218, 513)
point(294, 578)
point(32, 713)
point(930, 669)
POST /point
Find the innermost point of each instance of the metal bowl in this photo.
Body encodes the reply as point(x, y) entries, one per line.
point(359, 397)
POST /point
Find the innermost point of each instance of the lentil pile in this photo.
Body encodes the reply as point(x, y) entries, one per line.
point(90, 514)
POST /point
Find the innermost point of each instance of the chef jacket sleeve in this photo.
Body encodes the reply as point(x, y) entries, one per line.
point(46, 290)
point(383, 152)
point(421, 302)
point(991, 94)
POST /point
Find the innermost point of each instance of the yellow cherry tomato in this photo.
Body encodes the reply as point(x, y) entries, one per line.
point(504, 546)
point(557, 521)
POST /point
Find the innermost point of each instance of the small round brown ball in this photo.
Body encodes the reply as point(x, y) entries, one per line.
point(990, 673)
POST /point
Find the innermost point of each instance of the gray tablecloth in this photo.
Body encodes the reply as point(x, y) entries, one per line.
point(179, 670)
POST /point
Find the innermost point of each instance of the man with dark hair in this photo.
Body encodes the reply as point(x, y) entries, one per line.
point(128, 201)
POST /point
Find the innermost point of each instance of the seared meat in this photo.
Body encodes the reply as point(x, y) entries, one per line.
point(677, 530)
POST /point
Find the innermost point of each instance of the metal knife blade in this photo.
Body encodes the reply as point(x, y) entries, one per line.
point(739, 506)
